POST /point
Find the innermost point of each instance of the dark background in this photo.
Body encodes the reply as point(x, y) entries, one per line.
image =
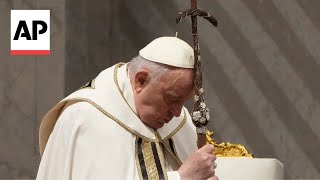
point(261, 71)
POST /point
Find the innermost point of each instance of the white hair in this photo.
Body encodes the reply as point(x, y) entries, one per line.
point(156, 70)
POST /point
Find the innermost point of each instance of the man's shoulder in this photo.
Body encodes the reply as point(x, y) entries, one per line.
point(78, 111)
point(86, 113)
point(78, 107)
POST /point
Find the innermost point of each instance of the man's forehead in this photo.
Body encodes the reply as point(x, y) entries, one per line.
point(177, 92)
point(178, 82)
point(179, 86)
point(180, 74)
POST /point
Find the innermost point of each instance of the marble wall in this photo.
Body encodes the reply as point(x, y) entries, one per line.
point(261, 69)
point(29, 86)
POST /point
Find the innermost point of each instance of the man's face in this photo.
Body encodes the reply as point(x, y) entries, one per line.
point(158, 102)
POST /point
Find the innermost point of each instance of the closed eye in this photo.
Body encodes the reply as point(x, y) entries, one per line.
point(172, 97)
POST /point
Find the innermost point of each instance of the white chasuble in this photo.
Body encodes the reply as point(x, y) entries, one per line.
point(95, 133)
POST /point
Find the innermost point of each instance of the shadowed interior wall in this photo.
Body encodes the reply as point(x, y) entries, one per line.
point(261, 69)
point(29, 86)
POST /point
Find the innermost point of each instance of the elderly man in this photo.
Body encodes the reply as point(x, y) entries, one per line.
point(129, 122)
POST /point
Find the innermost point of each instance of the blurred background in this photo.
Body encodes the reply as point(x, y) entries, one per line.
point(261, 71)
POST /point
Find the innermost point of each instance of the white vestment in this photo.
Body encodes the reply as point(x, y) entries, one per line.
point(99, 136)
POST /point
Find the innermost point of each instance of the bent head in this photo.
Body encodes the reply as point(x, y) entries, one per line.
point(159, 90)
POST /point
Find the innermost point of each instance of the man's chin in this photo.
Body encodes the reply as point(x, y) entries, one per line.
point(155, 125)
point(158, 125)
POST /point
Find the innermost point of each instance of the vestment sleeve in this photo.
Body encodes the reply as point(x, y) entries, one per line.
point(173, 175)
point(85, 144)
point(55, 161)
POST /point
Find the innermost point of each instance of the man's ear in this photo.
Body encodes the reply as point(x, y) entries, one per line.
point(140, 80)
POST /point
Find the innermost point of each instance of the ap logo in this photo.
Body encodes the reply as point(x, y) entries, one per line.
point(30, 32)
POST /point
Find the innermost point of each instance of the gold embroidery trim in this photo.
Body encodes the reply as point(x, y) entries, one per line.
point(179, 127)
point(112, 117)
point(176, 158)
point(174, 147)
point(149, 160)
point(115, 79)
point(162, 160)
point(137, 159)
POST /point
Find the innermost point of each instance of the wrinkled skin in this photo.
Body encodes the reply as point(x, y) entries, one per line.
point(199, 165)
point(158, 102)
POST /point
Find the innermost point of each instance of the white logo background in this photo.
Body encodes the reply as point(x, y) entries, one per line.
point(43, 40)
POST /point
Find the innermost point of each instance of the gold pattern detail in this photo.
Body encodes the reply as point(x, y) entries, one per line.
point(227, 149)
point(178, 128)
point(115, 79)
point(172, 162)
point(137, 159)
point(149, 160)
point(162, 160)
point(168, 149)
point(174, 147)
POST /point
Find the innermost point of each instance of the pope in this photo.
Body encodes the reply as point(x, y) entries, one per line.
point(129, 122)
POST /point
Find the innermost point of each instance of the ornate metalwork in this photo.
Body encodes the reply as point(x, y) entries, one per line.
point(227, 149)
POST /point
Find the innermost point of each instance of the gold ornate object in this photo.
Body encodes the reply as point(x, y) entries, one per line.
point(226, 149)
